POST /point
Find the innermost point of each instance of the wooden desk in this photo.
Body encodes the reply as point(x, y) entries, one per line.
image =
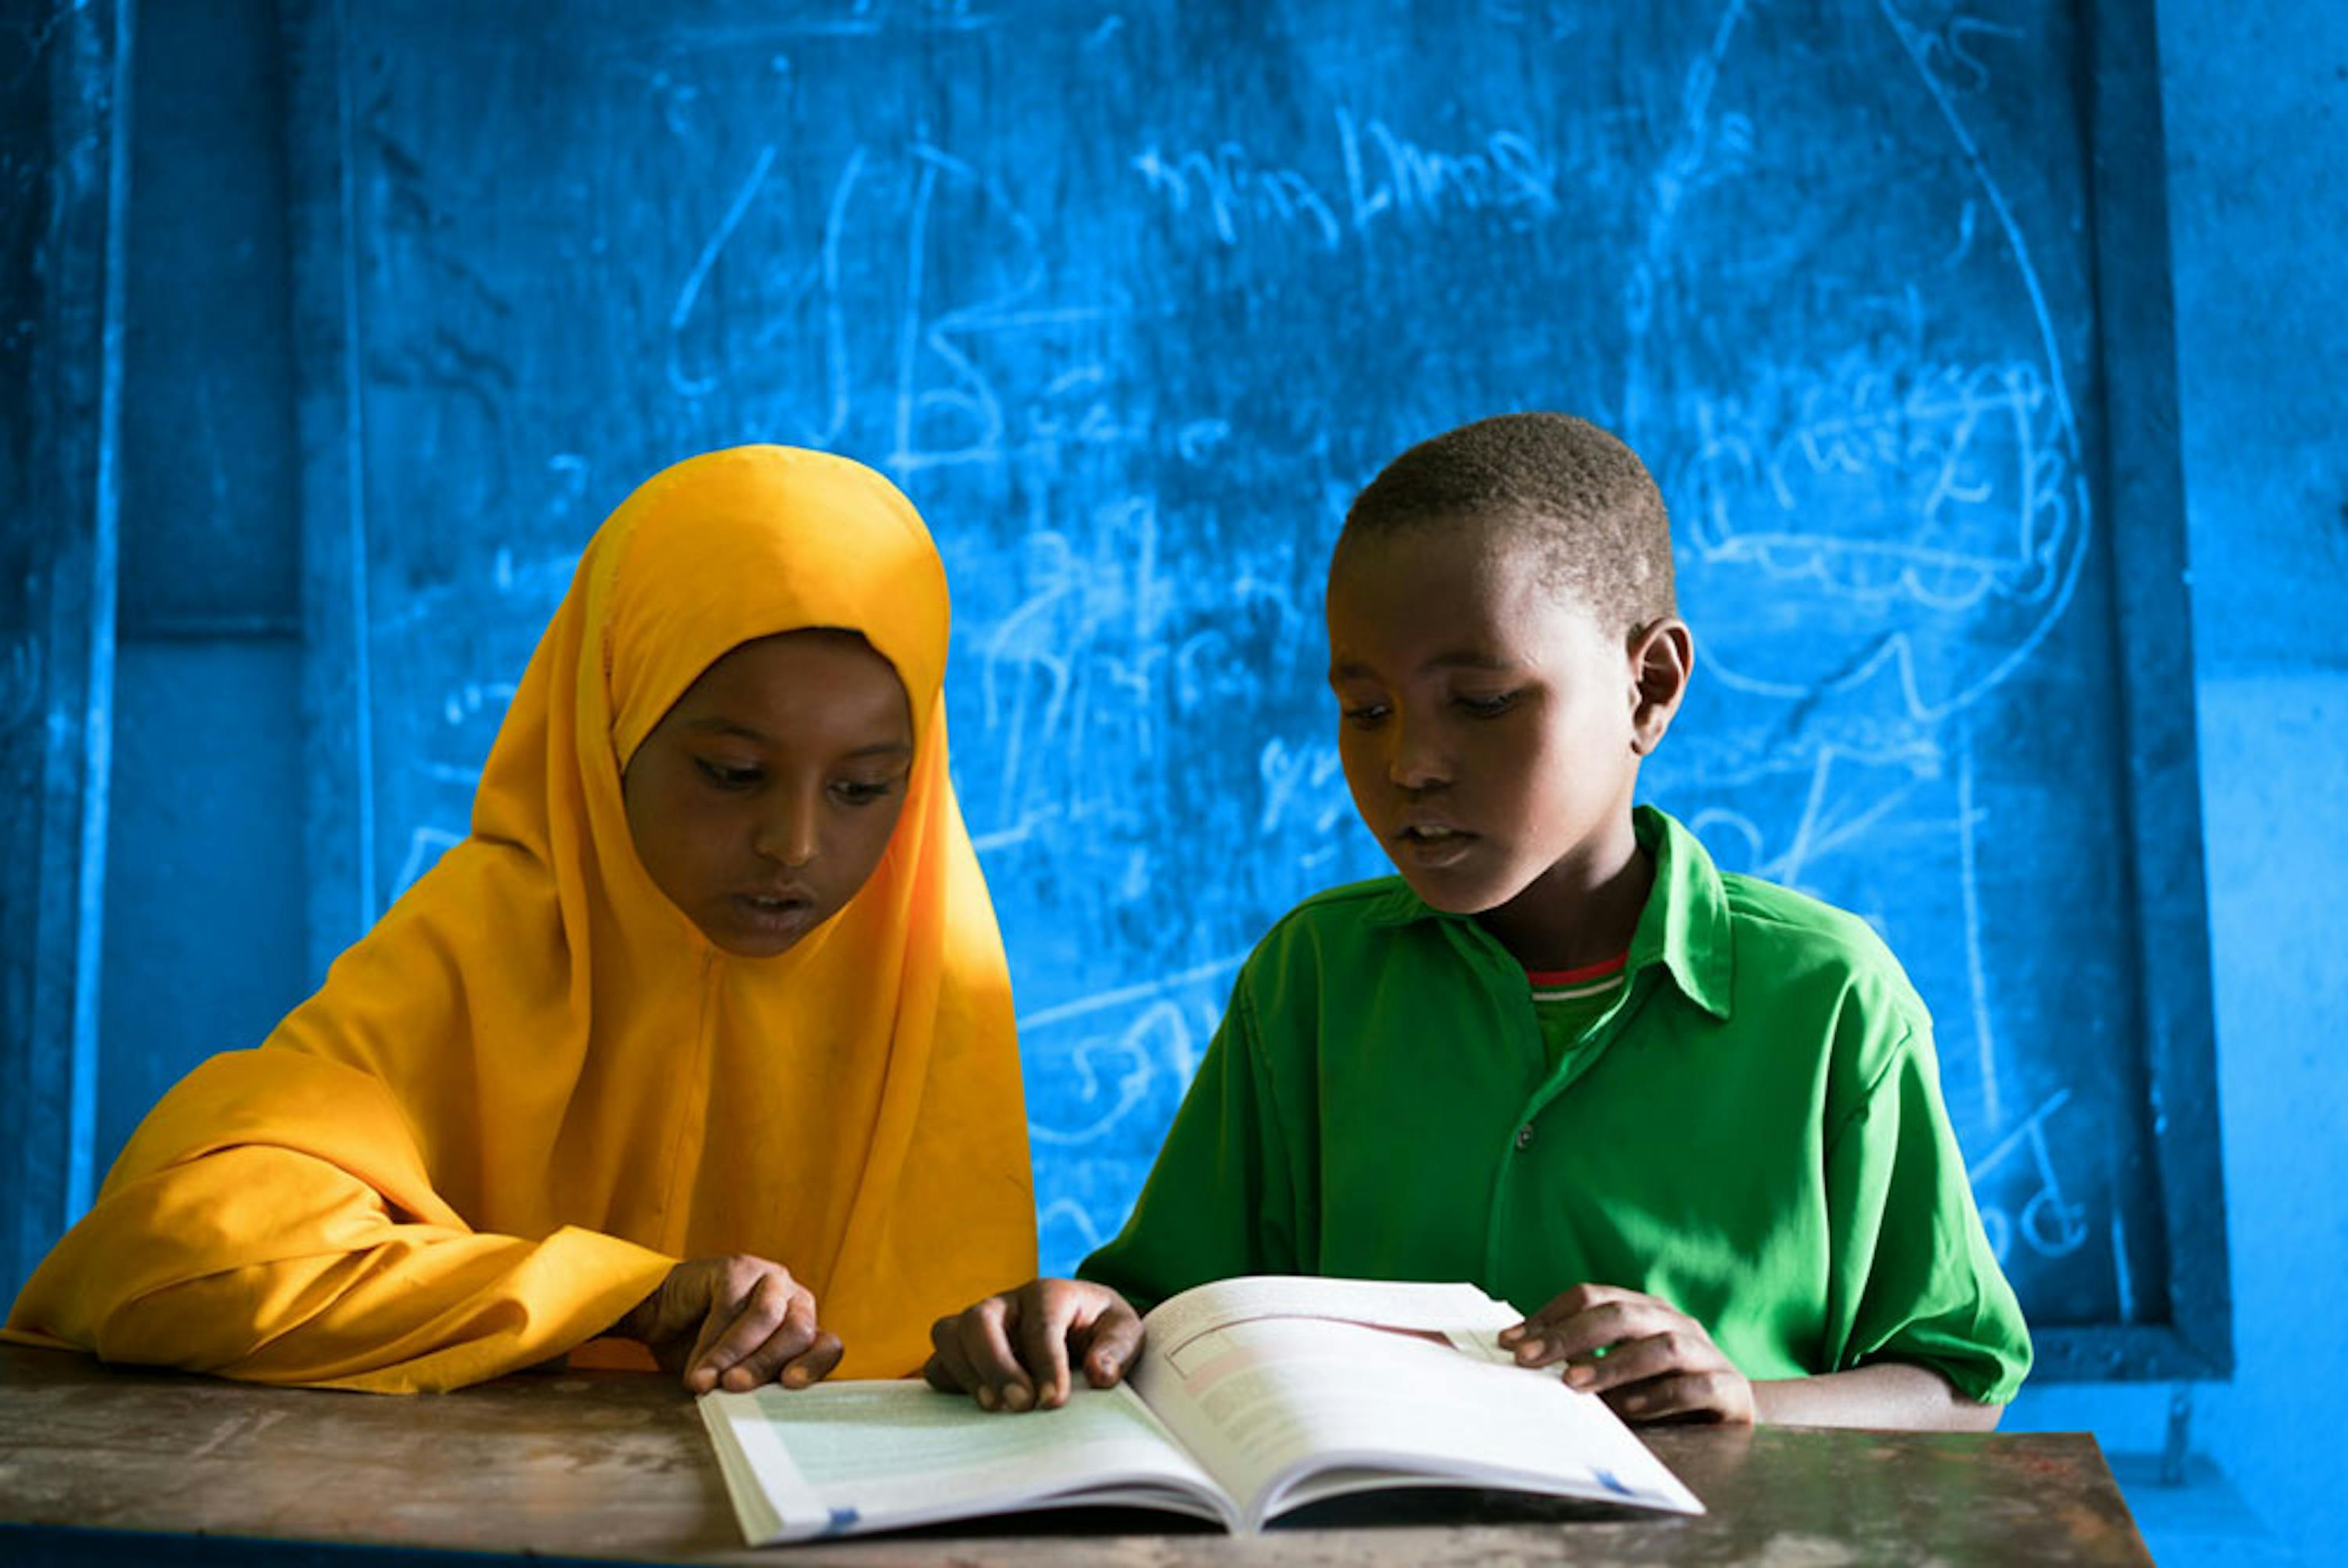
point(615, 1465)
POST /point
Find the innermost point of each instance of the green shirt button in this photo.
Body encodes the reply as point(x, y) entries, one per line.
point(1524, 1136)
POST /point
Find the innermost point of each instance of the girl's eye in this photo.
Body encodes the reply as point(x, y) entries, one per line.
point(1363, 715)
point(861, 792)
point(725, 777)
point(1488, 707)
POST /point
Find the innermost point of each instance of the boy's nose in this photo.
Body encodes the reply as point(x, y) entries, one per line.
point(1412, 761)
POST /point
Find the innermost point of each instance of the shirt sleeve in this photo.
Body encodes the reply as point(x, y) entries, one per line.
point(1221, 1199)
point(1914, 1278)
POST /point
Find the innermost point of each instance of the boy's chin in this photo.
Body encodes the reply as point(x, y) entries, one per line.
point(1455, 894)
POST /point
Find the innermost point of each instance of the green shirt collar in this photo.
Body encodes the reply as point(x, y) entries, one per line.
point(1685, 926)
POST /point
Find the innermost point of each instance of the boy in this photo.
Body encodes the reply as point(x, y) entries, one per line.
point(1696, 1115)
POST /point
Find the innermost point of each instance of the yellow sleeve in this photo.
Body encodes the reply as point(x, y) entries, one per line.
point(285, 1245)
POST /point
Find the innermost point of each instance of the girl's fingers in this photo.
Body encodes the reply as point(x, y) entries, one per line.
point(764, 1359)
point(1110, 1343)
point(815, 1363)
point(1001, 1383)
point(716, 1318)
point(746, 1324)
point(1045, 1315)
point(949, 1368)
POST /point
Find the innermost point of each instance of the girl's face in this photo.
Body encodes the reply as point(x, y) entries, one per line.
point(763, 799)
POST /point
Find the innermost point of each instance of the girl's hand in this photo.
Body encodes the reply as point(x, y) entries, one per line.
point(1012, 1351)
point(733, 1322)
point(1650, 1360)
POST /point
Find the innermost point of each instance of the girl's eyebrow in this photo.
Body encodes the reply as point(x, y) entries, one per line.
point(722, 726)
point(719, 725)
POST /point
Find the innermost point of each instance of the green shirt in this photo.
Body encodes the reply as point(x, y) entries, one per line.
point(1752, 1131)
point(1565, 1010)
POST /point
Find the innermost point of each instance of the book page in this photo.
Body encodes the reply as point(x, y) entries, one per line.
point(1267, 1396)
point(872, 1455)
point(1456, 1310)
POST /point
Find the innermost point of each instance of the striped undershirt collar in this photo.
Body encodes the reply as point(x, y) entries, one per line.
point(1567, 985)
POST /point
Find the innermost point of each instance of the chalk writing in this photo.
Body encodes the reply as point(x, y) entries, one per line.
point(2049, 1223)
point(1387, 178)
point(1132, 378)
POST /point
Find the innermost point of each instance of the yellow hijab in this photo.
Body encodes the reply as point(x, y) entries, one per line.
point(535, 1085)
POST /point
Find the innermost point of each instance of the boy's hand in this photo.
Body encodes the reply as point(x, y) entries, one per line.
point(1012, 1351)
point(1649, 1359)
point(736, 1322)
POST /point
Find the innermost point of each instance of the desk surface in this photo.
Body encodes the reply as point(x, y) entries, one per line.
point(607, 1465)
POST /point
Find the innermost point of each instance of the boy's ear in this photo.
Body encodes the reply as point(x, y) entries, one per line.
point(1663, 657)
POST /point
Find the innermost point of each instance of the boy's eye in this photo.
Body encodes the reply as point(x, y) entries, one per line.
point(1488, 707)
point(863, 792)
point(1362, 713)
point(725, 777)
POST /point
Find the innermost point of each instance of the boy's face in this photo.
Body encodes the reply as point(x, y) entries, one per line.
point(1491, 731)
point(763, 799)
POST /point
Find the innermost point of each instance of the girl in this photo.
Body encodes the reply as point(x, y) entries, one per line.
point(703, 1038)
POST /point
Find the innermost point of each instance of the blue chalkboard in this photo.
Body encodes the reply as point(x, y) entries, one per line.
point(1131, 299)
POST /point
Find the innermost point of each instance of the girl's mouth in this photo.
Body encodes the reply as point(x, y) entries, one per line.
point(776, 914)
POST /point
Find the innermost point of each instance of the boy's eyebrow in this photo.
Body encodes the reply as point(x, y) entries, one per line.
point(1459, 658)
point(1468, 658)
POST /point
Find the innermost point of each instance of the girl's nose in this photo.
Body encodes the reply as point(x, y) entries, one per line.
point(787, 833)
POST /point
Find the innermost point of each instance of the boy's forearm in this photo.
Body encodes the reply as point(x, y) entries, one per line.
point(1890, 1394)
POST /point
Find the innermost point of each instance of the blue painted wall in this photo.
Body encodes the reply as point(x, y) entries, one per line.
point(2256, 97)
point(1858, 275)
point(209, 679)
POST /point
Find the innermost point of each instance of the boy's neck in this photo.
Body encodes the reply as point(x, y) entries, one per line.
point(1582, 910)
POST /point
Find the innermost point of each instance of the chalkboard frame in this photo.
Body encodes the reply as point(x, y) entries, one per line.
point(2142, 483)
point(2144, 486)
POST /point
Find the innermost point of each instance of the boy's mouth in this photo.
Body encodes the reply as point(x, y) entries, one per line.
point(1432, 844)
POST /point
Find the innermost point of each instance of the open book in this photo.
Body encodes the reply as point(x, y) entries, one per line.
point(1250, 1398)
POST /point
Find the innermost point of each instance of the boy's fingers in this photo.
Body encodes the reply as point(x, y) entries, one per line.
point(1110, 1343)
point(1626, 1364)
point(1607, 1324)
point(815, 1363)
point(1680, 1394)
point(1565, 1304)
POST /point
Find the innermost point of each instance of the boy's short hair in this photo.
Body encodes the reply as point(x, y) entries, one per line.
point(1580, 497)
